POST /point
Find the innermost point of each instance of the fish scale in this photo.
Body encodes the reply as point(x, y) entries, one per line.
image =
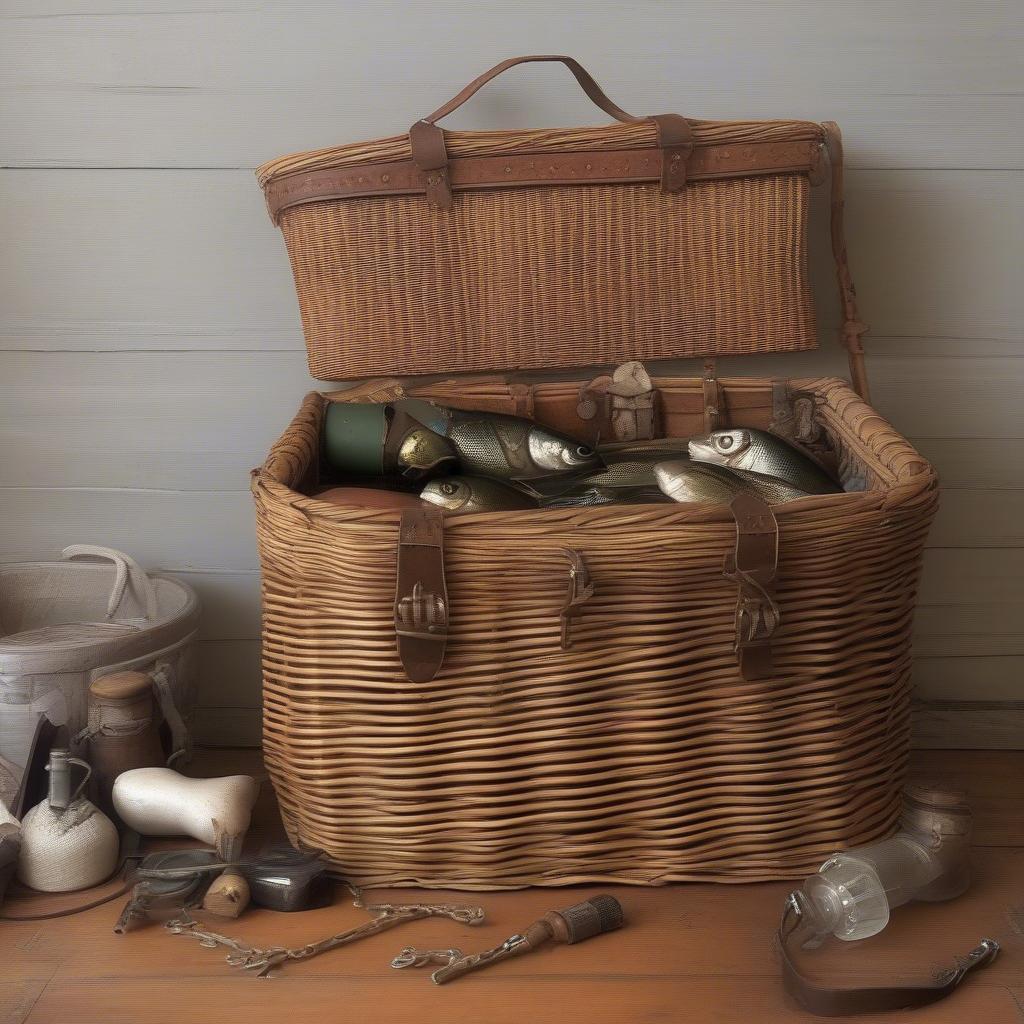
point(688, 481)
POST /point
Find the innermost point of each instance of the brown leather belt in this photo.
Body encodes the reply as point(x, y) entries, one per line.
point(520, 170)
point(839, 1002)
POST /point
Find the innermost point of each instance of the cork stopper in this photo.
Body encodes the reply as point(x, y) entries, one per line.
point(121, 686)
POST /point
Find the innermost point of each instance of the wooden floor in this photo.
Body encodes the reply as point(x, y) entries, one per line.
point(693, 953)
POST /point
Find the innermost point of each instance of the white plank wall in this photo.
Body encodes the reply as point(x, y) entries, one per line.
point(149, 341)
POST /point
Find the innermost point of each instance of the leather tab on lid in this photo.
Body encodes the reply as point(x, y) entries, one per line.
point(431, 157)
point(675, 139)
point(421, 598)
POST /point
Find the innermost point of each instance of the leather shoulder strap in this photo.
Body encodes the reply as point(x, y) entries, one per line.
point(840, 1002)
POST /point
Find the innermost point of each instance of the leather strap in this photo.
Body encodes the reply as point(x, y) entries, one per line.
point(431, 159)
point(840, 1002)
point(713, 397)
point(752, 566)
point(581, 590)
point(853, 327)
point(580, 167)
point(421, 598)
point(587, 83)
point(426, 140)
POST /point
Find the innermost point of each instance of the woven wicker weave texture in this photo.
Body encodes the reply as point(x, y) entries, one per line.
point(639, 755)
point(552, 277)
point(516, 278)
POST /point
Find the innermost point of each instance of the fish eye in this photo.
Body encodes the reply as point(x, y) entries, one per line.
point(584, 452)
point(448, 488)
point(725, 443)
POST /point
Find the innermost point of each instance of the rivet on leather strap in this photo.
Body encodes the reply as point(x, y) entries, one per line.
point(421, 598)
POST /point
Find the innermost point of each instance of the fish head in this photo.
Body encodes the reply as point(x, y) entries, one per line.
point(560, 454)
point(723, 447)
point(450, 494)
point(421, 449)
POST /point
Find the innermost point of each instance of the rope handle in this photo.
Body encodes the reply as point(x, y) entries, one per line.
point(125, 569)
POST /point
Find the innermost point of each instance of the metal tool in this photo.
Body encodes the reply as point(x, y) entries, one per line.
point(574, 924)
point(173, 879)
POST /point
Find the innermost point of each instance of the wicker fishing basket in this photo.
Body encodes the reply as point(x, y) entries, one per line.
point(637, 694)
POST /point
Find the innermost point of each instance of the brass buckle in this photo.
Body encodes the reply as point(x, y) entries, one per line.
point(757, 614)
point(422, 615)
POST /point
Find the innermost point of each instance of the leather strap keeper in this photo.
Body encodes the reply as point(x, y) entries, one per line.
point(840, 1002)
point(421, 598)
point(752, 566)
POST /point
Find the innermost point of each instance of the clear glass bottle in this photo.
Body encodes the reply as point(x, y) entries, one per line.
point(854, 892)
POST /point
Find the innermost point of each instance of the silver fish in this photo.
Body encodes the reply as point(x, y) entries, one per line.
point(512, 448)
point(457, 494)
point(632, 468)
point(760, 452)
point(585, 496)
point(684, 480)
point(670, 447)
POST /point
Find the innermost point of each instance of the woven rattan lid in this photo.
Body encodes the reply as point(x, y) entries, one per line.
point(651, 238)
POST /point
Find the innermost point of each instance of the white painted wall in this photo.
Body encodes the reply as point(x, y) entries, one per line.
point(149, 341)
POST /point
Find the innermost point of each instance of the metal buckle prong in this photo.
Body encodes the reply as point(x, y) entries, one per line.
point(422, 614)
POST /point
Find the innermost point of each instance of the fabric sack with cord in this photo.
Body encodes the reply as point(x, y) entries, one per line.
point(64, 624)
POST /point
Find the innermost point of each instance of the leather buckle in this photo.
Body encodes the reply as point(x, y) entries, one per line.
point(625, 406)
point(422, 614)
point(751, 565)
point(581, 590)
point(757, 617)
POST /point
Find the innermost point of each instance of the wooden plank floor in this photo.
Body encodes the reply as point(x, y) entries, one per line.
point(694, 953)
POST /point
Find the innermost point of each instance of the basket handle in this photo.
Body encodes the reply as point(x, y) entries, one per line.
point(426, 140)
point(586, 80)
point(125, 568)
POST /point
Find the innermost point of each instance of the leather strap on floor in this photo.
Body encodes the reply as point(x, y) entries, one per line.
point(840, 1002)
point(421, 598)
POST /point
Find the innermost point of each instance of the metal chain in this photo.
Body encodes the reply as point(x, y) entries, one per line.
point(263, 961)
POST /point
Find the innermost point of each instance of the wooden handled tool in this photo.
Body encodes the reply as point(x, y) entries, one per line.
point(574, 924)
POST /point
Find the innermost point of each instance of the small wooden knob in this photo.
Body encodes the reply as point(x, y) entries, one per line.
point(121, 686)
point(228, 895)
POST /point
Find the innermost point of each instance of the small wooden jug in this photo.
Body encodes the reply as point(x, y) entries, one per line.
point(122, 730)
